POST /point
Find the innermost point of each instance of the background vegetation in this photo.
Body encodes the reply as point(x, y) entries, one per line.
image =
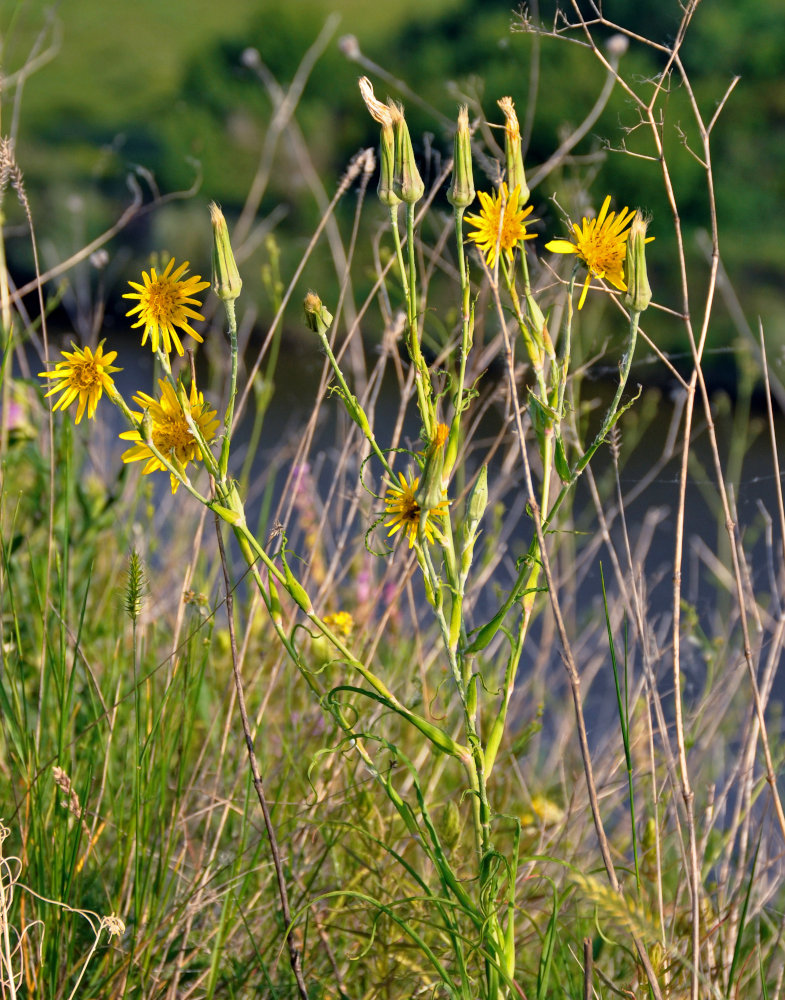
point(168, 90)
point(124, 775)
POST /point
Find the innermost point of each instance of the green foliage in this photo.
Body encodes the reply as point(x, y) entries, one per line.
point(374, 771)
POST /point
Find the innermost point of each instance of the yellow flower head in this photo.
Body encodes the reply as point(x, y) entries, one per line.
point(500, 223)
point(440, 435)
point(401, 506)
point(83, 374)
point(601, 244)
point(340, 622)
point(165, 302)
point(169, 430)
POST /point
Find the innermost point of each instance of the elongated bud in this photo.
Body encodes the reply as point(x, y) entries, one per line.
point(461, 193)
point(450, 824)
point(227, 282)
point(513, 153)
point(275, 601)
point(295, 588)
point(381, 114)
point(226, 513)
point(475, 509)
point(146, 427)
point(478, 501)
point(431, 491)
point(407, 183)
point(638, 294)
point(317, 317)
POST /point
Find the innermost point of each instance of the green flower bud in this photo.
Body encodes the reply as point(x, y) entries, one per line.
point(407, 183)
point(478, 501)
point(276, 612)
point(317, 317)
point(381, 114)
point(146, 427)
point(513, 152)
point(296, 589)
point(431, 491)
point(461, 193)
point(450, 825)
point(227, 282)
point(226, 513)
point(322, 651)
point(385, 188)
point(638, 294)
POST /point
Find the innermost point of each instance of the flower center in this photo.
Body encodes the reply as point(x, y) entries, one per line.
point(601, 254)
point(511, 230)
point(85, 375)
point(410, 510)
point(162, 300)
point(172, 434)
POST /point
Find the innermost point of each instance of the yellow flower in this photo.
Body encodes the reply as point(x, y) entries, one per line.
point(164, 303)
point(84, 375)
point(440, 435)
point(340, 622)
point(500, 223)
point(404, 511)
point(601, 244)
point(169, 430)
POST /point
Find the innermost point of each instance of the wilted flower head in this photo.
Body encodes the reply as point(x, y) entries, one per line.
point(513, 153)
point(407, 183)
point(382, 114)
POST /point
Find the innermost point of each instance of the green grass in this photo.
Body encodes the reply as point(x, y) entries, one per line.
point(542, 762)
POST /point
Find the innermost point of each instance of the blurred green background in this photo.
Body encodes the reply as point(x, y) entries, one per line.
point(170, 88)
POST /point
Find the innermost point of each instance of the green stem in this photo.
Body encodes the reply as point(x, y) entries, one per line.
point(467, 336)
point(530, 562)
point(422, 378)
point(229, 416)
point(356, 411)
point(535, 352)
point(399, 249)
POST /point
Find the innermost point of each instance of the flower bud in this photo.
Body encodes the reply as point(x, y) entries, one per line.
point(146, 427)
point(385, 189)
point(407, 183)
point(317, 317)
point(450, 824)
point(431, 491)
point(227, 282)
point(638, 294)
point(461, 193)
point(513, 153)
point(381, 114)
point(478, 501)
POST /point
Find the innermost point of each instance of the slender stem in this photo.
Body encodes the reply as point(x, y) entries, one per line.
point(295, 958)
point(352, 403)
point(229, 416)
point(399, 249)
point(422, 379)
point(467, 335)
point(534, 351)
